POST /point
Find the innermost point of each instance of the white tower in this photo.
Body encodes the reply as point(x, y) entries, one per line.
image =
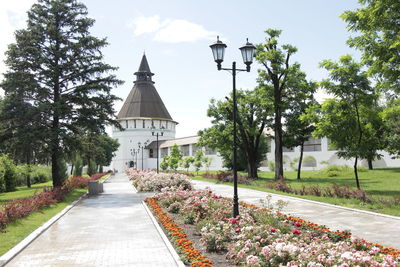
point(143, 112)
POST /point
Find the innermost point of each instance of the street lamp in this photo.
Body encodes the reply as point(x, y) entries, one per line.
point(157, 133)
point(218, 50)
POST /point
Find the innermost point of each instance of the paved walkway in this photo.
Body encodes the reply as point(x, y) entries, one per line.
point(112, 229)
point(372, 227)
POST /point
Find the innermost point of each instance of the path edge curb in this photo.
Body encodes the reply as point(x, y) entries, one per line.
point(171, 249)
point(319, 203)
point(9, 255)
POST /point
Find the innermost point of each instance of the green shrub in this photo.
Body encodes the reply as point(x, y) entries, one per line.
point(164, 163)
point(271, 165)
point(9, 174)
point(362, 169)
point(332, 173)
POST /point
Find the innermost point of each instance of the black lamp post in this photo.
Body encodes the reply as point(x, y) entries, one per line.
point(218, 50)
point(157, 133)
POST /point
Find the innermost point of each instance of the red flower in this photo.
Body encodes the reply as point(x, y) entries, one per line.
point(216, 197)
point(233, 220)
point(237, 229)
point(297, 224)
point(273, 230)
point(296, 232)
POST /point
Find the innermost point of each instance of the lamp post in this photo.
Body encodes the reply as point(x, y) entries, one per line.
point(218, 50)
point(157, 133)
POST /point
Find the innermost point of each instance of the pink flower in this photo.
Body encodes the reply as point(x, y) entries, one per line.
point(297, 224)
point(296, 232)
point(237, 229)
point(265, 251)
point(252, 260)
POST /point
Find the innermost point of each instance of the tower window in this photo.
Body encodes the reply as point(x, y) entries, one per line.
point(134, 124)
point(152, 123)
point(126, 124)
point(144, 124)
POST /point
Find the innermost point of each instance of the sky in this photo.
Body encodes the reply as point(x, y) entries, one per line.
point(176, 34)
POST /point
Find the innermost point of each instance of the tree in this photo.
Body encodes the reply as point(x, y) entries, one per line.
point(164, 163)
point(391, 118)
point(254, 113)
point(377, 28)
point(276, 61)
point(175, 157)
point(57, 66)
point(198, 160)
point(186, 162)
point(207, 162)
point(346, 120)
point(299, 97)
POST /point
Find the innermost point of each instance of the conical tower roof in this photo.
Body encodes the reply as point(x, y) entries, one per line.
point(144, 101)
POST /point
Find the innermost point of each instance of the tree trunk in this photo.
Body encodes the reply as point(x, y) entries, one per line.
point(356, 173)
point(300, 160)
point(252, 171)
point(278, 137)
point(370, 167)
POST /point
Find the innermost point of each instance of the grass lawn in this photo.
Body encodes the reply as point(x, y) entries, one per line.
point(23, 191)
point(17, 231)
point(378, 183)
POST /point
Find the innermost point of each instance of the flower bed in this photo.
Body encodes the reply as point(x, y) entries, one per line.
point(259, 237)
point(150, 181)
point(227, 177)
point(19, 208)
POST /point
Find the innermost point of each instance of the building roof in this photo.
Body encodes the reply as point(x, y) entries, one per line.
point(144, 101)
point(179, 141)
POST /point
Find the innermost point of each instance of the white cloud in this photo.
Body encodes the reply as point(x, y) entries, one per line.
point(170, 30)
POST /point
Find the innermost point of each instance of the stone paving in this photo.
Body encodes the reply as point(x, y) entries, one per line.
point(370, 226)
point(112, 229)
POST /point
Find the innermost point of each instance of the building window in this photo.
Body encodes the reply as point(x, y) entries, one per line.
point(126, 124)
point(309, 161)
point(185, 150)
point(287, 149)
point(312, 145)
point(209, 151)
point(134, 124)
point(151, 153)
point(164, 152)
point(152, 123)
point(144, 126)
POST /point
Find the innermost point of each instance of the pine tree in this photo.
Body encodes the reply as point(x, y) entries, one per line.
point(57, 67)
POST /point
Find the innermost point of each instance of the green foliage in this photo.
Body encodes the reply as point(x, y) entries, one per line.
point(377, 30)
point(164, 163)
point(187, 162)
point(351, 120)
point(391, 119)
point(8, 174)
point(309, 160)
point(198, 159)
point(38, 174)
point(175, 157)
point(78, 165)
point(56, 71)
point(254, 113)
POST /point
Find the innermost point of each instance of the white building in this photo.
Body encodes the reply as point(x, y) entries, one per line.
point(144, 113)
